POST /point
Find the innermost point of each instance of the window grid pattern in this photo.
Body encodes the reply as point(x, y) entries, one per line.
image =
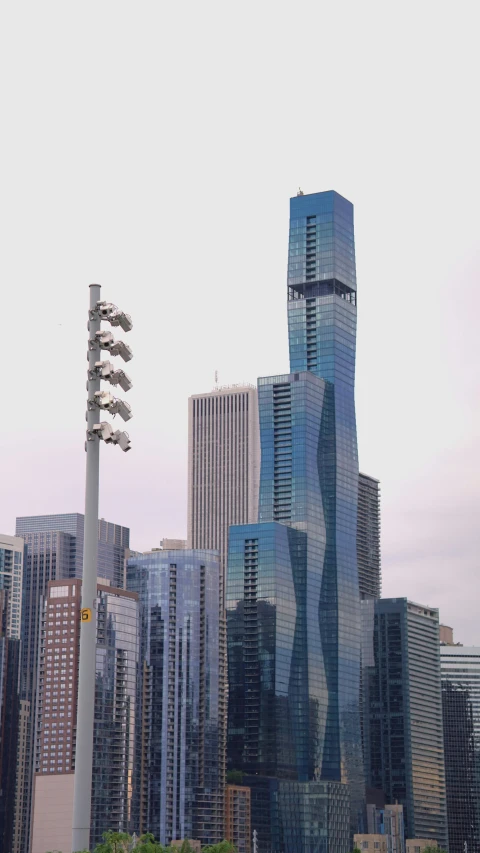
point(308, 590)
point(460, 666)
point(179, 772)
point(403, 706)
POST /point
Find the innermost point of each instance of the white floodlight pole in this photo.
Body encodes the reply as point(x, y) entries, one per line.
point(82, 796)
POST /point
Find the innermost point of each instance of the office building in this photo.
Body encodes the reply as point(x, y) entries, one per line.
point(387, 820)
point(223, 465)
point(418, 845)
point(9, 695)
point(368, 537)
point(179, 781)
point(117, 658)
point(238, 827)
point(446, 636)
point(54, 552)
point(293, 613)
point(12, 556)
point(403, 713)
point(460, 667)
point(370, 843)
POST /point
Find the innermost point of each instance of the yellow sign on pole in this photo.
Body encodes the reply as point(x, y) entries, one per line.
point(86, 614)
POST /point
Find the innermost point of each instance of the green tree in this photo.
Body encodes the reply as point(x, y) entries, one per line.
point(434, 850)
point(223, 847)
point(147, 844)
point(115, 842)
point(234, 777)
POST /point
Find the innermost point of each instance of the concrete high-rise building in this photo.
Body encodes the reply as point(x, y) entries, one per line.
point(179, 776)
point(54, 552)
point(368, 537)
point(117, 658)
point(238, 827)
point(388, 821)
point(293, 610)
point(11, 568)
point(446, 636)
point(403, 713)
point(223, 481)
point(12, 557)
point(460, 666)
point(223, 465)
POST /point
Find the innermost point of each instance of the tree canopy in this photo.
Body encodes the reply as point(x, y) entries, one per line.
point(121, 842)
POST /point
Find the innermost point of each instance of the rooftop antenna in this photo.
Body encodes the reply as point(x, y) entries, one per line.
point(300, 191)
point(216, 378)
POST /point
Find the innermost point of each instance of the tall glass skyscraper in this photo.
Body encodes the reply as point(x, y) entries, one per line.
point(179, 775)
point(292, 592)
point(368, 537)
point(403, 712)
point(460, 666)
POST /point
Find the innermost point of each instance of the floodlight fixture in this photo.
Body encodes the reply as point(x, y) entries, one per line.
point(121, 378)
point(123, 320)
point(122, 349)
point(103, 369)
point(122, 439)
point(104, 340)
point(104, 430)
point(105, 400)
point(109, 311)
point(106, 370)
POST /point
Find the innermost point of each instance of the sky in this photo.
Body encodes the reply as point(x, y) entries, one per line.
point(153, 147)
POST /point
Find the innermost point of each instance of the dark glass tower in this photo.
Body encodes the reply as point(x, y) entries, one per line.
point(460, 667)
point(292, 592)
point(368, 537)
point(403, 713)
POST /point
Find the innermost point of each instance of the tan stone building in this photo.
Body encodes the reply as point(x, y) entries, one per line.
point(114, 733)
point(370, 843)
point(237, 817)
point(418, 845)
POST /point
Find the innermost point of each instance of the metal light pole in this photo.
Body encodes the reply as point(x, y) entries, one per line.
point(88, 634)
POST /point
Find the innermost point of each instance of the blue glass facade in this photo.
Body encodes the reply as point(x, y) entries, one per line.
point(404, 748)
point(299, 562)
point(179, 769)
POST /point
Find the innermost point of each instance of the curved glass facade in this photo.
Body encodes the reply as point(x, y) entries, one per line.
point(292, 593)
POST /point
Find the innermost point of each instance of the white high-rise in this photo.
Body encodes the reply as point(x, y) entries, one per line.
point(12, 550)
point(223, 465)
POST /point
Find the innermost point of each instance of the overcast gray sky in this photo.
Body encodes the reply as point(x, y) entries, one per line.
point(153, 147)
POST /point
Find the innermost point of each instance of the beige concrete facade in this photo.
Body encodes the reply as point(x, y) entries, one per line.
point(370, 843)
point(53, 813)
point(223, 465)
point(238, 828)
point(446, 635)
point(418, 845)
